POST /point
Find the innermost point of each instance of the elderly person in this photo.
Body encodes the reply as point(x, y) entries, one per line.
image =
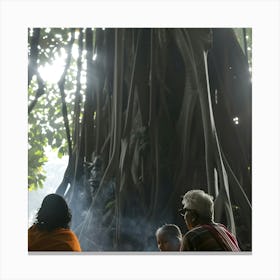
point(169, 238)
point(204, 234)
point(51, 231)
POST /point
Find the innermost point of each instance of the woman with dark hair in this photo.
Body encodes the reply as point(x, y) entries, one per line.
point(51, 230)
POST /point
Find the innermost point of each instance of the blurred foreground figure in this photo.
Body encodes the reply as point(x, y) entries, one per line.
point(169, 238)
point(204, 234)
point(51, 230)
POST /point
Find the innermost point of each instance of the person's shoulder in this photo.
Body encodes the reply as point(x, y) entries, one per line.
point(198, 233)
point(33, 228)
point(64, 231)
point(67, 231)
point(219, 225)
point(69, 238)
point(196, 230)
point(71, 232)
point(75, 244)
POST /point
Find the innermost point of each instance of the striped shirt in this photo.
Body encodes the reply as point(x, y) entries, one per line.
point(209, 237)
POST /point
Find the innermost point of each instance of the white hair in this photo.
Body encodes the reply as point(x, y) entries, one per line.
point(201, 202)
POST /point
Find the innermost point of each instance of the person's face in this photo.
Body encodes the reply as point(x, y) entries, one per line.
point(165, 244)
point(188, 219)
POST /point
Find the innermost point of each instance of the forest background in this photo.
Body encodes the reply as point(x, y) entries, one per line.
point(115, 110)
point(263, 16)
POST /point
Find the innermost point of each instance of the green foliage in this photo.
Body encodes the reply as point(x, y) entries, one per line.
point(46, 124)
point(51, 43)
point(36, 158)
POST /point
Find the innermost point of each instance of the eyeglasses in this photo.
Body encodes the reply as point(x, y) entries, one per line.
point(184, 211)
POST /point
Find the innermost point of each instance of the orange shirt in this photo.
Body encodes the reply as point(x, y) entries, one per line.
point(60, 239)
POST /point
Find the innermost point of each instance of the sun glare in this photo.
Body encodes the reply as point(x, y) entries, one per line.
point(52, 72)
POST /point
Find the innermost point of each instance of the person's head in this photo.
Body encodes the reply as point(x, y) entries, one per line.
point(169, 238)
point(54, 213)
point(199, 208)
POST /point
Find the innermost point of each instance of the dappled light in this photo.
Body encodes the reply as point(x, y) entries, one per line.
point(140, 116)
point(51, 73)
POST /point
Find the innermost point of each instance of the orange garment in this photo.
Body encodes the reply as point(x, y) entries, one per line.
point(60, 239)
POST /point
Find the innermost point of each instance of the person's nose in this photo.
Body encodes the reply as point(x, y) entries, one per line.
point(160, 246)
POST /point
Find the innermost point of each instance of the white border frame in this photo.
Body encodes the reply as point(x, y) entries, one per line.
point(17, 16)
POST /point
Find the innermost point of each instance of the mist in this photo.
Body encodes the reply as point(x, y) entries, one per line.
point(54, 168)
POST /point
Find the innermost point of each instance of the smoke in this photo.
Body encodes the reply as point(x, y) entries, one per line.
point(96, 226)
point(54, 168)
point(95, 223)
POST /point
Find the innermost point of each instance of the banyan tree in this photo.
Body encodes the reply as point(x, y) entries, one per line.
point(160, 111)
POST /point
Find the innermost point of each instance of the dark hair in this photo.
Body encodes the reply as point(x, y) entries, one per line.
point(54, 213)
